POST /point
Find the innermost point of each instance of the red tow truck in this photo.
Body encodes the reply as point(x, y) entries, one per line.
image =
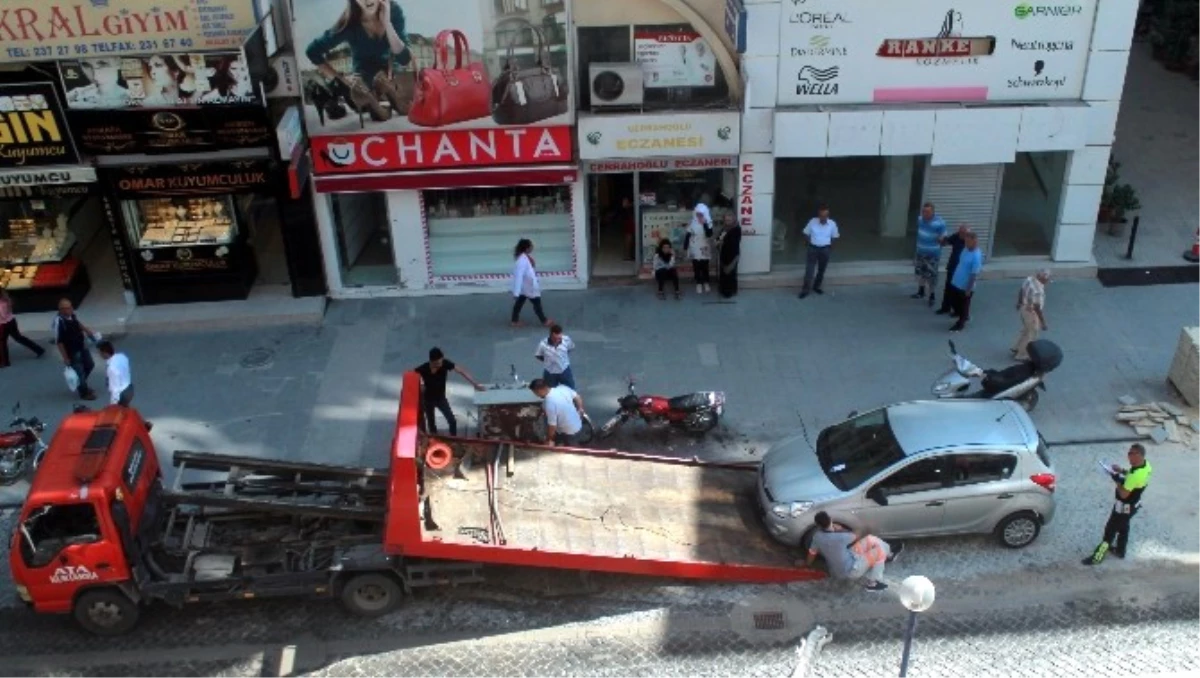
point(100, 536)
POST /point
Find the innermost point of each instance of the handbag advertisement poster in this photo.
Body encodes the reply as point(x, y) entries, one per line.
point(389, 84)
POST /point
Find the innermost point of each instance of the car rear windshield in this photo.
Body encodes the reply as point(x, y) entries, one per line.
point(1042, 452)
point(855, 450)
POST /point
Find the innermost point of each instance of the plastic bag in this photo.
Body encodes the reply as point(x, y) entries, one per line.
point(72, 378)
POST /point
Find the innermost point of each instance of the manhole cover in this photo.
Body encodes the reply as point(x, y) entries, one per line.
point(771, 618)
point(258, 358)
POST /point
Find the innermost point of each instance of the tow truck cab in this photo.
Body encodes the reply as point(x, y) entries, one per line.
point(96, 488)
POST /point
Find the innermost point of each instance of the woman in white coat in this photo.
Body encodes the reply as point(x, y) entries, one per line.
point(525, 283)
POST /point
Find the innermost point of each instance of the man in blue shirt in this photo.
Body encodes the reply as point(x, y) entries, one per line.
point(962, 283)
point(930, 231)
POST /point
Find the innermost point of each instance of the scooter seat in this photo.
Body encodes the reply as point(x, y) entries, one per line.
point(689, 403)
point(997, 381)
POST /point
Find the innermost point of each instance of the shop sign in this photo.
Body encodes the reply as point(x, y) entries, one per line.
point(735, 24)
point(36, 30)
point(33, 129)
point(289, 133)
point(435, 149)
point(47, 175)
point(158, 81)
point(206, 178)
point(931, 51)
point(746, 197)
point(648, 136)
point(674, 58)
point(185, 259)
point(662, 164)
point(466, 87)
point(175, 131)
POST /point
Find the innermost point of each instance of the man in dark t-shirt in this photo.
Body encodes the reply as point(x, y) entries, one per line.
point(70, 335)
point(957, 242)
point(433, 376)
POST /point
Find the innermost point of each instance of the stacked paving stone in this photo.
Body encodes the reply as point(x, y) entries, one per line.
point(1158, 421)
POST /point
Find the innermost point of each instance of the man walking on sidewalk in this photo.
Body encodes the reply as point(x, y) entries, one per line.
point(120, 379)
point(849, 556)
point(70, 335)
point(962, 283)
point(931, 229)
point(1131, 483)
point(1031, 303)
point(554, 352)
point(821, 232)
point(956, 242)
point(433, 377)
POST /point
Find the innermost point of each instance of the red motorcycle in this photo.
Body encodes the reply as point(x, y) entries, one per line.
point(696, 413)
point(20, 447)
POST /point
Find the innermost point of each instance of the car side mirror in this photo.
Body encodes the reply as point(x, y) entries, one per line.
point(853, 414)
point(876, 495)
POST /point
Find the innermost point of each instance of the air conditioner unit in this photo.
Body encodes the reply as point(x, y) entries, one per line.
point(615, 85)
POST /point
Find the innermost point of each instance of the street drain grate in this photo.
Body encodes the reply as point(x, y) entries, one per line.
point(259, 357)
point(769, 621)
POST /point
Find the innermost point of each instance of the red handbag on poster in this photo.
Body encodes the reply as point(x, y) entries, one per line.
point(448, 95)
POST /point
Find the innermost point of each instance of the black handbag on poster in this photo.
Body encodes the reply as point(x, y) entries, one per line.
point(521, 96)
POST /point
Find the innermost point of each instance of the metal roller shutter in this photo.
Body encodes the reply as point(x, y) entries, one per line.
point(967, 194)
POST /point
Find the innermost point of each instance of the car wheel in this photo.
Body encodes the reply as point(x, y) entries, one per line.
point(106, 612)
point(1019, 530)
point(371, 595)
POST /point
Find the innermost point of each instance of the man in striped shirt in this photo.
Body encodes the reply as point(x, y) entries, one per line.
point(1031, 303)
point(931, 229)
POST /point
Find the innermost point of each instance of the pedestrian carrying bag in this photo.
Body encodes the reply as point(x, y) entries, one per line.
point(521, 96)
point(448, 94)
point(72, 378)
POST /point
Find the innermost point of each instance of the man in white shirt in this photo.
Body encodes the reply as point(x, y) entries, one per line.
point(564, 412)
point(554, 352)
point(821, 232)
point(698, 233)
point(120, 379)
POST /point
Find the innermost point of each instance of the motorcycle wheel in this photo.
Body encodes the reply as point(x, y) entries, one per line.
point(1029, 400)
point(610, 427)
point(587, 433)
point(703, 423)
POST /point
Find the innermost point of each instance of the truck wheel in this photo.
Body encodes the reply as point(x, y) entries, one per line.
point(106, 612)
point(371, 595)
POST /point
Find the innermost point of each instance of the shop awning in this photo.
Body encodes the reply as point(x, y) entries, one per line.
point(472, 178)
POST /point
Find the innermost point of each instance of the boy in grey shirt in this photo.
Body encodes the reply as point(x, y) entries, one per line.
point(849, 556)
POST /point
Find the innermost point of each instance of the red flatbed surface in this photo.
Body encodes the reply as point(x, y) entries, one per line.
point(622, 507)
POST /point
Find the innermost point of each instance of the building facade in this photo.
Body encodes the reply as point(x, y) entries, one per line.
point(1002, 114)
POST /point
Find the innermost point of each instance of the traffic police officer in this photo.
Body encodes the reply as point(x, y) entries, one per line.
point(1130, 485)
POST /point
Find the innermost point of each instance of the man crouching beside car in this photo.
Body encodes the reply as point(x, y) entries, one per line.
point(849, 556)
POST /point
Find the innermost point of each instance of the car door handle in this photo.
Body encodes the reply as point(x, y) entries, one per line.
point(1005, 496)
point(936, 503)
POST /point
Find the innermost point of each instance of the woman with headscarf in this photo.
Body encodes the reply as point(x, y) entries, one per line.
point(730, 244)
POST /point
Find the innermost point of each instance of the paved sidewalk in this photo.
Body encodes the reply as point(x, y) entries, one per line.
point(329, 394)
point(1158, 147)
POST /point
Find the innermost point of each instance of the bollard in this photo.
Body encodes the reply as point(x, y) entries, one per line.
point(1132, 237)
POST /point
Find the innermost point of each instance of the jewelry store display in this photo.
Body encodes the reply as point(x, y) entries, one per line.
point(178, 222)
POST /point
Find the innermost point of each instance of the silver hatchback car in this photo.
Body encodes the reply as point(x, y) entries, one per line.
point(915, 469)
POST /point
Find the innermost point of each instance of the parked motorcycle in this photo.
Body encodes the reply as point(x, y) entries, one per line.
point(695, 412)
point(21, 447)
point(1019, 382)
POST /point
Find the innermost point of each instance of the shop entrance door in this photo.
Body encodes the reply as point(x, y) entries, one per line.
point(613, 219)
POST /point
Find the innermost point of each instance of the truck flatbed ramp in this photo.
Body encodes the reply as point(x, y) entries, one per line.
point(578, 509)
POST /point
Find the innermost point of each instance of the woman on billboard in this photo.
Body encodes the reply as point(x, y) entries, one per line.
point(166, 77)
point(101, 84)
point(373, 30)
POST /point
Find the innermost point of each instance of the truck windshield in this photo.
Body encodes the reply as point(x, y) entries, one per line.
point(855, 450)
point(50, 529)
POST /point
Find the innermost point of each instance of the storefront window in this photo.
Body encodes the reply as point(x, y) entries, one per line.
point(180, 222)
point(364, 239)
point(39, 241)
point(666, 199)
point(1029, 199)
point(472, 232)
point(874, 200)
